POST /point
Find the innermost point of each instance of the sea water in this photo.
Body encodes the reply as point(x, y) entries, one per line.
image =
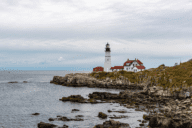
point(19, 100)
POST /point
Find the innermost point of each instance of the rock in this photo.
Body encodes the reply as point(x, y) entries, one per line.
point(109, 111)
point(118, 117)
point(79, 116)
point(64, 126)
point(147, 117)
point(74, 110)
point(82, 80)
point(120, 111)
point(35, 114)
point(74, 98)
point(103, 95)
point(93, 101)
point(63, 118)
point(24, 81)
point(161, 122)
point(111, 124)
point(102, 115)
point(45, 125)
point(13, 82)
point(139, 120)
point(51, 119)
point(144, 121)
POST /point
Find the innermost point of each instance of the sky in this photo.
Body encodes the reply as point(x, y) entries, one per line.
point(72, 34)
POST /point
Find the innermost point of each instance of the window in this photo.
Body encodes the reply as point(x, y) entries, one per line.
point(95, 69)
point(127, 68)
point(99, 69)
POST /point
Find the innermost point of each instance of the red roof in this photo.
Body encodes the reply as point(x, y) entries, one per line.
point(98, 67)
point(138, 61)
point(140, 67)
point(130, 61)
point(117, 67)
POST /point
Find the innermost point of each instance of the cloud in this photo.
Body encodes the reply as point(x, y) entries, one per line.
point(136, 19)
point(48, 32)
point(60, 59)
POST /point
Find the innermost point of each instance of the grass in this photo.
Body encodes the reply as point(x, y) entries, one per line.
point(181, 76)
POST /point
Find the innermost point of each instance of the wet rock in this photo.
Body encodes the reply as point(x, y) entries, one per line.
point(51, 119)
point(147, 117)
point(102, 115)
point(45, 125)
point(109, 111)
point(120, 111)
point(103, 95)
point(112, 124)
point(161, 122)
point(74, 98)
point(24, 81)
point(144, 121)
point(93, 101)
point(13, 82)
point(35, 114)
point(74, 110)
point(79, 116)
point(63, 118)
point(139, 120)
point(66, 119)
point(64, 126)
point(118, 117)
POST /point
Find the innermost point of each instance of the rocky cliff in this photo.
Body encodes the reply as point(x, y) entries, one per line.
point(85, 80)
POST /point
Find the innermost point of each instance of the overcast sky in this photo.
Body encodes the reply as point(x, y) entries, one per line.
point(54, 34)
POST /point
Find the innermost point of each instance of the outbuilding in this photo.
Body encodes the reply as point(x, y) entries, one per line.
point(99, 68)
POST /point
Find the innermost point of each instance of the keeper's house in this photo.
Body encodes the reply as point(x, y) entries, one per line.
point(130, 65)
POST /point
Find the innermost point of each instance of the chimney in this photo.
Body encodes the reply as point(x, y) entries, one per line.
point(135, 58)
point(128, 59)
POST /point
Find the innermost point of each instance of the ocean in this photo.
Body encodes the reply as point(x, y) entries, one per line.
point(19, 100)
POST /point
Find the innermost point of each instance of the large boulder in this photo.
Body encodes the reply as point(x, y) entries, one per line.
point(161, 122)
point(74, 98)
point(45, 125)
point(102, 115)
point(112, 124)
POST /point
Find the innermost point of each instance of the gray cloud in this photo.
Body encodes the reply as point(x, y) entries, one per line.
point(39, 32)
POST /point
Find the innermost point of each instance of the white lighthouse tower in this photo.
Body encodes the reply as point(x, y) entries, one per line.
point(107, 64)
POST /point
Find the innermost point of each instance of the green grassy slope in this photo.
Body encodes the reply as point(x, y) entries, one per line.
point(179, 76)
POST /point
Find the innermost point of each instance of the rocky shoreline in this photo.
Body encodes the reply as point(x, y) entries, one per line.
point(163, 109)
point(172, 114)
point(85, 80)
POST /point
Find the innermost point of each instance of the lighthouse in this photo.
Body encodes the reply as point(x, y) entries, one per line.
point(107, 64)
